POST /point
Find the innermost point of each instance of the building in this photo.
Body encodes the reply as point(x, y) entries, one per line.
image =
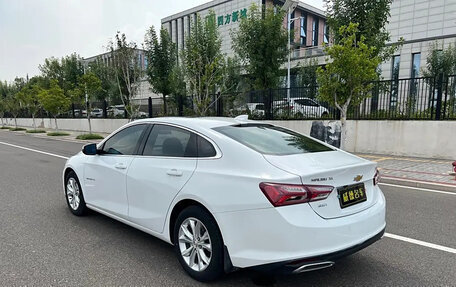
point(310, 30)
point(420, 23)
point(144, 90)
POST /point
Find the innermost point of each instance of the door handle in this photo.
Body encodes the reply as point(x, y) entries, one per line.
point(120, 166)
point(174, 172)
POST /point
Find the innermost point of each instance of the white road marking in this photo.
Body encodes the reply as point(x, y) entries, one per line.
point(422, 243)
point(419, 188)
point(414, 181)
point(34, 150)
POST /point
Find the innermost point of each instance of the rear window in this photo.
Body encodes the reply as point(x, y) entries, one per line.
point(268, 139)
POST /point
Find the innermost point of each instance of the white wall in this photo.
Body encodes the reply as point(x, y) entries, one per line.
point(98, 125)
point(430, 139)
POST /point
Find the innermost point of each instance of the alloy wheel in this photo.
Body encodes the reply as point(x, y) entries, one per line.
point(73, 193)
point(195, 244)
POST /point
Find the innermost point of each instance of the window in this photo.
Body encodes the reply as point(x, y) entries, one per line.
point(303, 29)
point(395, 82)
point(307, 102)
point(259, 107)
point(205, 148)
point(124, 142)
point(416, 62)
point(396, 65)
point(315, 31)
point(268, 139)
point(326, 34)
point(176, 142)
point(170, 141)
point(292, 26)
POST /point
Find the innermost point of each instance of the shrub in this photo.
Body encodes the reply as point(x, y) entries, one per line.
point(17, 129)
point(89, 137)
point(35, 131)
point(56, 134)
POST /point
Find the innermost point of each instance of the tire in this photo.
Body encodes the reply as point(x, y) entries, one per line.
point(73, 195)
point(207, 264)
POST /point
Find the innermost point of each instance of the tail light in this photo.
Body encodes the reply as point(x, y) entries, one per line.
point(286, 194)
point(376, 177)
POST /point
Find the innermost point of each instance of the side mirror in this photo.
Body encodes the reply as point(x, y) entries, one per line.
point(90, 149)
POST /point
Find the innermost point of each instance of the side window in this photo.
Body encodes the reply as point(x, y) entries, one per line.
point(205, 148)
point(171, 142)
point(125, 141)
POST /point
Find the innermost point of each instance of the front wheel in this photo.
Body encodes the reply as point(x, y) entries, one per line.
point(198, 244)
point(73, 194)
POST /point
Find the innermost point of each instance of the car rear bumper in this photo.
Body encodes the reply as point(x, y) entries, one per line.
point(317, 262)
point(292, 233)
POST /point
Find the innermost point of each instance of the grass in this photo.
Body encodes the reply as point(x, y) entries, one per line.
point(17, 129)
point(4, 128)
point(89, 137)
point(57, 134)
point(35, 131)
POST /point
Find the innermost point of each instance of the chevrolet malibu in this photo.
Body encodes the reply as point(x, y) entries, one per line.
point(231, 193)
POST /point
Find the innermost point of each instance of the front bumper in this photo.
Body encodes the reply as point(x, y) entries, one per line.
point(287, 234)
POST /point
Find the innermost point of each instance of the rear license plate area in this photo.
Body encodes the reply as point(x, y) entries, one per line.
point(351, 195)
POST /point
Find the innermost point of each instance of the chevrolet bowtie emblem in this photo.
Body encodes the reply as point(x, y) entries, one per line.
point(358, 177)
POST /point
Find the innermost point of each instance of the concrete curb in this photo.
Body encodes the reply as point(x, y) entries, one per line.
point(419, 184)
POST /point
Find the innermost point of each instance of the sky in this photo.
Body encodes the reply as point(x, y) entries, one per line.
point(32, 30)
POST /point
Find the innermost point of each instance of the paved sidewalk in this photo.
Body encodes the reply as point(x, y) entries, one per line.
point(418, 172)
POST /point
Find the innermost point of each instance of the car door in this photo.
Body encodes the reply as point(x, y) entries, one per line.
point(105, 173)
point(155, 178)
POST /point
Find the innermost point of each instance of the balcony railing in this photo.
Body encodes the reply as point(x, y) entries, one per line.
point(307, 52)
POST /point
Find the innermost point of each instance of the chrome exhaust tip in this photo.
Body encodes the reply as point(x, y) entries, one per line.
point(313, 266)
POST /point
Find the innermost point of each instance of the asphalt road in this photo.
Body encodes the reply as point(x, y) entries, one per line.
point(42, 243)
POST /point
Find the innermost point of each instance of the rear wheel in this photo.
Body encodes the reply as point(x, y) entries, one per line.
point(198, 244)
point(73, 194)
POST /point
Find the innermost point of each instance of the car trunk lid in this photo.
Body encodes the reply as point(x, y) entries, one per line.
point(335, 168)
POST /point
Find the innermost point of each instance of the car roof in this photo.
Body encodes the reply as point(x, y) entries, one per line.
point(202, 123)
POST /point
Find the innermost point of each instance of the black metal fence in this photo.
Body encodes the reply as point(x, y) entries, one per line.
point(397, 99)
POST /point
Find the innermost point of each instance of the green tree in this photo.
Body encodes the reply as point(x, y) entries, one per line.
point(4, 94)
point(106, 74)
point(372, 17)
point(261, 44)
point(440, 61)
point(351, 66)
point(13, 106)
point(54, 100)
point(162, 60)
point(2, 109)
point(127, 71)
point(28, 98)
point(65, 71)
point(307, 77)
point(84, 93)
point(203, 63)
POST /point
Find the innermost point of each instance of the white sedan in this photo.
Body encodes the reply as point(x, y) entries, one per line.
point(231, 193)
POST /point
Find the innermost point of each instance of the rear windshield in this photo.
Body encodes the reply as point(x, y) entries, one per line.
point(268, 139)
